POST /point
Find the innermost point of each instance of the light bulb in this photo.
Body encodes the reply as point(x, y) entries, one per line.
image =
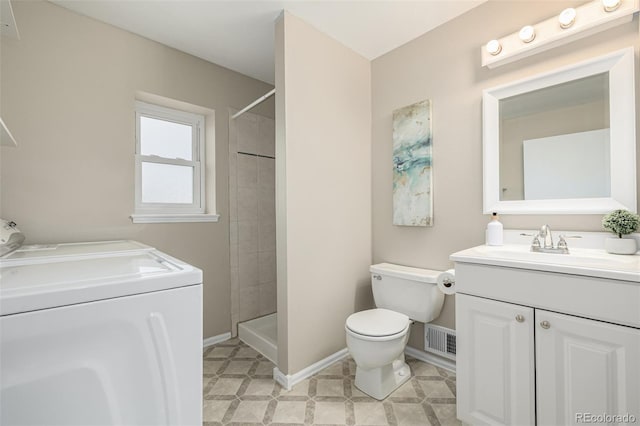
point(611, 5)
point(567, 17)
point(527, 34)
point(494, 47)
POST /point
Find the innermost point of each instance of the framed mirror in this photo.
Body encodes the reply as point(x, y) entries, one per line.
point(562, 142)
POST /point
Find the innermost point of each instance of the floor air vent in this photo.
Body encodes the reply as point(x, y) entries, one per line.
point(440, 341)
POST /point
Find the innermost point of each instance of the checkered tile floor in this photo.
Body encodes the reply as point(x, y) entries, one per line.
point(239, 390)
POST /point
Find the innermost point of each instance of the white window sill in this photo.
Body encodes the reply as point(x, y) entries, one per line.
point(174, 218)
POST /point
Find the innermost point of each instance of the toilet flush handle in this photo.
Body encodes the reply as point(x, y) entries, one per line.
point(377, 277)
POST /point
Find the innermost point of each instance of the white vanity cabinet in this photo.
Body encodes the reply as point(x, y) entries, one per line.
point(545, 348)
point(585, 366)
point(495, 362)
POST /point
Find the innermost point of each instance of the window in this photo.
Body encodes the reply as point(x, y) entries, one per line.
point(169, 174)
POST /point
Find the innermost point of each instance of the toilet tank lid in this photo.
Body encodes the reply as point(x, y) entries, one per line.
point(405, 272)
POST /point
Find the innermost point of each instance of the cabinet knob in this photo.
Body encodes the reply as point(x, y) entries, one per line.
point(519, 318)
point(545, 325)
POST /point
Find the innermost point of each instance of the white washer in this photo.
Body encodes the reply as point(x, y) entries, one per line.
point(105, 333)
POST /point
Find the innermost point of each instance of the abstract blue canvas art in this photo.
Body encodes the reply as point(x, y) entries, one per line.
point(412, 200)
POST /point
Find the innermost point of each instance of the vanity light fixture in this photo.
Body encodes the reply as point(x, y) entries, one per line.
point(585, 20)
point(567, 17)
point(527, 34)
point(494, 47)
point(611, 5)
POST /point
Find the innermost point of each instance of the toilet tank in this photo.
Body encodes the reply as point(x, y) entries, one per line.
point(411, 291)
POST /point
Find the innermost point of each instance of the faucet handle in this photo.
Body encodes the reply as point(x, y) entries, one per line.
point(562, 243)
point(535, 242)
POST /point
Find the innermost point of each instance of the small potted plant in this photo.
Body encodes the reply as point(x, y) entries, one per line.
point(621, 222)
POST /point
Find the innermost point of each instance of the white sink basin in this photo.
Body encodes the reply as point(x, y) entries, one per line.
point(588, 262)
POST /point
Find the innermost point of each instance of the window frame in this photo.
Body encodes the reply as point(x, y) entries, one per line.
point(197, 123)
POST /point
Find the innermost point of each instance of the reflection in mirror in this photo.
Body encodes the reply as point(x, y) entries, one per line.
point(562, 142)
point(568, 156)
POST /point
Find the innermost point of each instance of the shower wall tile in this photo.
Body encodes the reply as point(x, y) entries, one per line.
point(266, 234)
point(234, 284)
point(233, 256)
point(247, 269)
point(248, 236)
point(235, 291)
point(268, 300)
point(233, 132)
point(252, 218)
point(247, 131)
point(233, 208)
point(235, 319)
point(233, 164)
point(247, 204)
point(233, 228)
point(250, 303)
point(266, 266)
point(233, 188)
point(247, 171)
point(266, 137)
point(267, 204)
point(233, 232)
point(266, 194)
point(266, 172)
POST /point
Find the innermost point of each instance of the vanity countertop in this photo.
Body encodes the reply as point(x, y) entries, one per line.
point(580, 261)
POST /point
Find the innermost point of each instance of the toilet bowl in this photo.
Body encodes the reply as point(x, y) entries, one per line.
point(376, 338)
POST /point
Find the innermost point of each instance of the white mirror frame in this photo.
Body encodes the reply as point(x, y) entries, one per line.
point(620, 65)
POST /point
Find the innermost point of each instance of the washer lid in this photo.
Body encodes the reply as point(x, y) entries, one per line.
point(47, 253)
point(43, 277)
point(377, 322)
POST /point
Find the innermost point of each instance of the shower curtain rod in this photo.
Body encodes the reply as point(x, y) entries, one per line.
point(254, 103)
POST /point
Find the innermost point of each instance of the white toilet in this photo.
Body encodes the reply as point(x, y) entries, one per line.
point(376, 338)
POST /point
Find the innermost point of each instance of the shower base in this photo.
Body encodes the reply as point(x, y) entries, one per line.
point(262, 335)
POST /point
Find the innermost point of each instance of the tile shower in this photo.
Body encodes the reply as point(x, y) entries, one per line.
point(252, 218)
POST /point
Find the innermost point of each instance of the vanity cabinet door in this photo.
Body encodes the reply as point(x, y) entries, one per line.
point(585, 367)
point(495, 362)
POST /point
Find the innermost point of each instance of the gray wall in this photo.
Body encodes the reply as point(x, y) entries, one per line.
point(444, 66)
point(68, 91)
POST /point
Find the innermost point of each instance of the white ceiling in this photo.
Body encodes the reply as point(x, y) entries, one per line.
point(240, 34)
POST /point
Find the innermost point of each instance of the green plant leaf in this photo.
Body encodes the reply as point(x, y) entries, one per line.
point(621, 222)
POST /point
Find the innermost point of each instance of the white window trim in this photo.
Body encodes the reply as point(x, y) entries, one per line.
point(167, 212)
point(174, 218)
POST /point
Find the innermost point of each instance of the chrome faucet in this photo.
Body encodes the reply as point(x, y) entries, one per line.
point(547, 242)
point(545, 234)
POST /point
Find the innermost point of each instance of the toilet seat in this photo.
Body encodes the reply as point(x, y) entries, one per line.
point(377, 323)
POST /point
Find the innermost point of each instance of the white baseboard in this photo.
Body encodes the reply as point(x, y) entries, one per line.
point(210, 341)
point(447, 364)
point(289, 380)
